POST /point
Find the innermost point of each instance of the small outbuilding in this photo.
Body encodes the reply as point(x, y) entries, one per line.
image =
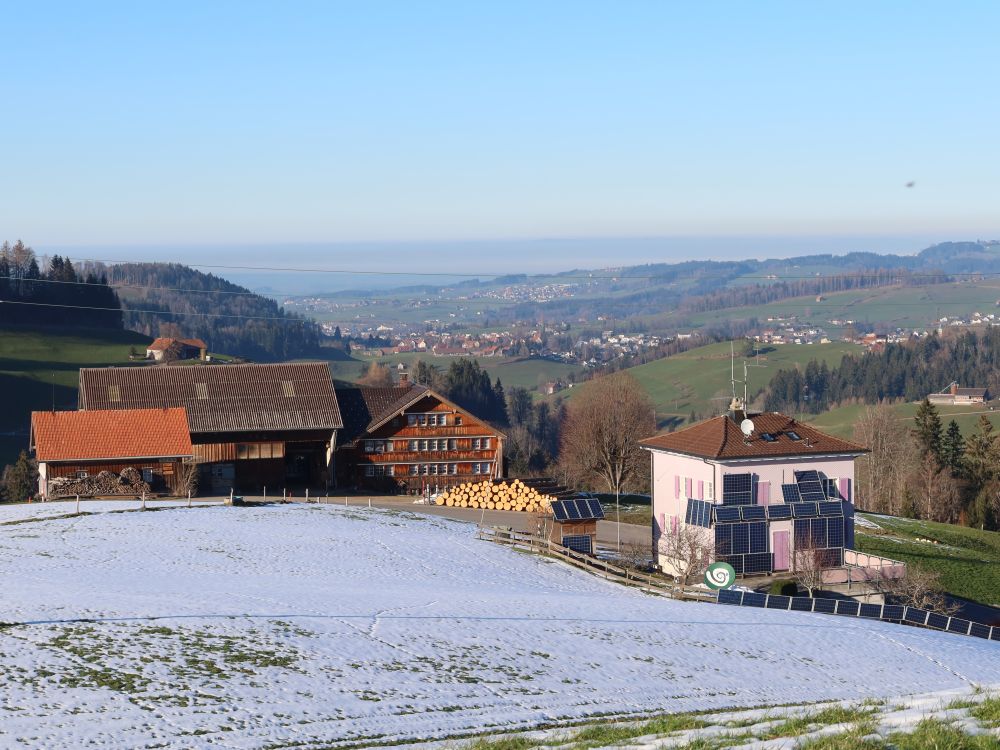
point(574, 523)
point(110, 452)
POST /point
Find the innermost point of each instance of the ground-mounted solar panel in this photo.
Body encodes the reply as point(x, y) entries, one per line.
point(916, 616)
point(777, 601)
point(753, 599)
point(804, 510)
point(831, 508)
point(737, 489)
point(827, 606)
point(790, 493)
point(978, 630)
point(995, 633)
point(893, 612)
point(870, 610)
point(735, 560)
point(848, 607)
point(802, 604)
point(958, 625)
point(757, 563)
point(779, 512)
point(729, 596)
point(937, 621)
point(727, 513)
point(753, 512)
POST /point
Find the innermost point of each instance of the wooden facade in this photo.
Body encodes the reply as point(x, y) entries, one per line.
point(164, 475)
point(560, 532)
point(425, 443)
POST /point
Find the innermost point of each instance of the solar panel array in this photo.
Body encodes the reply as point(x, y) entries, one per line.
point(577, 509)
point(737, 489)
point(790, 493)
point(811, 487)
point(735, 514)
point(699, 513)
point(744, 545)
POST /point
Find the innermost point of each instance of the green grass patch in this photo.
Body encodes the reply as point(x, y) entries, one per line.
point(798, 725)
point(968, 560)
point(988, 712)
point(933, 734)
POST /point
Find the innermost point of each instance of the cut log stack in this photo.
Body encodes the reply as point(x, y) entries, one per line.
point(514, 495)
point(106, 483)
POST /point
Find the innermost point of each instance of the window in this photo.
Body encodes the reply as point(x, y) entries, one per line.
point(80, 474)
point(486, 444)
point(369, 471)
point(486, 468)
point(475, 444)
point(709, 491)
point(475, 468)
point(452, 444)
point(388, 446)
point(424, 469)
point(458, 420)
point(434, 469)
point(288, 388)
point(201, 390)
point(768, 437)
point(369, 446)
point(422, 420)
point(793, 435)
point(114, 393)
point(147, 474)
point(423, 445)
point(411, 420)
point(453, 469)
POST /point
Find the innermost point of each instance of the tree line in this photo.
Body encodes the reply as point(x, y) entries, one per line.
point(906, 371)
point(40, 287)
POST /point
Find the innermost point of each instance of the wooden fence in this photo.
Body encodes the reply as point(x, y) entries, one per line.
point(643, 581)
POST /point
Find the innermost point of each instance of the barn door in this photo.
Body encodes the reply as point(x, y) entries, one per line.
point(780, 546)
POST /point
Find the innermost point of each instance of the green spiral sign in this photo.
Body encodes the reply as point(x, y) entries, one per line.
point(720, 575)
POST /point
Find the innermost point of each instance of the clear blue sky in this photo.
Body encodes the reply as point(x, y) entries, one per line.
point(180, 124)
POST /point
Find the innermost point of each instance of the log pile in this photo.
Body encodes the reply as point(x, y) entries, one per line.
point(129, 482)
point(496, 496)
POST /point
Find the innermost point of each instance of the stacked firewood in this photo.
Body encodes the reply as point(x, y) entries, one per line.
point(496, 496)
point(129, 482)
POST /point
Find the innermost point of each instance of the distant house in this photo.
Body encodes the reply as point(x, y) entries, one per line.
point(252, 426)
point(82, 444)
point(170, 349)
point(953, 394)
point(407, 437)
point(755, 497)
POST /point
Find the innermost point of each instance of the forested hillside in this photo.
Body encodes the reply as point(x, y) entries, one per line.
point(907, 371)
point(39, 296)
point(170, 299)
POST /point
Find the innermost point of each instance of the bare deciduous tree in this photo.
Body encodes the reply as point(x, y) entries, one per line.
point(937, 493)
point(686, 553)
point(920, 588)
point(882, 473)
point(600, 440)
point(187, 478)
point(377, 376)
point(808, 565)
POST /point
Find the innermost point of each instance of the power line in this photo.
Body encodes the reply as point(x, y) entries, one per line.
point(286, 319)
point(113, 285)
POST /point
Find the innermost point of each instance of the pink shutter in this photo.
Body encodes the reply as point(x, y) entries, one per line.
point(677, 487)
point(687, 488)
point(701, 490)
point(845, 488)
point(763, 493)
point(674, 523)
point(663, 525)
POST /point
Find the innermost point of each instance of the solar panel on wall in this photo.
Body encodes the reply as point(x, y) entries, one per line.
point(810, 485)
point(790, 493)
point(737, 489)
point(580, 543)
point(753, 512)
point(831, 508)
point(779, 512)
point(724, 514)
point(759, 563)
point(804, 510)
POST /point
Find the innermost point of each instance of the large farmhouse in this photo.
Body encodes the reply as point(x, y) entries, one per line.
point(252, 426)
point(76, 445)
point(759, 488)
point(410, 438)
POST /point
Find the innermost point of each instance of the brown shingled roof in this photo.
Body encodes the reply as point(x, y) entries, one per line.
point(720, 438)
point(96, 435)
point(362, 407)
point(221, 398)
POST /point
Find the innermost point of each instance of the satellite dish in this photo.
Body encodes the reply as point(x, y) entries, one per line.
point(747, 427)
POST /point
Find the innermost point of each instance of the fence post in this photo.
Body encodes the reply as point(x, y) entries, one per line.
point(284, 495)
point(77, 503)
point(144, 500)
point(265, 493)
point(369, 502)
point(230, 495)
point(307, 494)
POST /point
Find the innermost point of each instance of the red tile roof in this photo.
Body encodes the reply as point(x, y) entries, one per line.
point(720, 438)
point(115, 434)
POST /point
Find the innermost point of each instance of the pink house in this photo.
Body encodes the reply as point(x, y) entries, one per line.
point(756, 495)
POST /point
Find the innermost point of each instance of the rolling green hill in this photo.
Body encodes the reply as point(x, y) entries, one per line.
point(40, 367)
point(840, 421)
point(698, 380)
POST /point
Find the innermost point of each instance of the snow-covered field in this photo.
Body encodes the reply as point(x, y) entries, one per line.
point(307, 626)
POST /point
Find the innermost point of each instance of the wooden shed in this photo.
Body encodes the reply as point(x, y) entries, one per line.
point(574, 523)
point(149, 444)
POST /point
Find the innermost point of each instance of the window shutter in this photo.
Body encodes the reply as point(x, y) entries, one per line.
point(674, 523)
point(701, 489)
point(687, 487)
point(763, 493)
point(845, 488)
point(677, 487)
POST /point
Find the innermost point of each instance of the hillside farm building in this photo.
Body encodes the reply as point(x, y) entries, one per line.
point(169, 349)
point(76, 445)
point(410, 438)
point(251, 426)
point(955, 395)
point(757, 495)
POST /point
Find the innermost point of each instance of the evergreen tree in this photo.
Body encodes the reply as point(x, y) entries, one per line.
point(20, 480)
point(927, 429)
point(953, 448)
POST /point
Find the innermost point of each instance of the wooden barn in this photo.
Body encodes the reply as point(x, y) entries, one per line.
point(574, 523)
point(408, 438)
point(72, 446)
point(252, 426)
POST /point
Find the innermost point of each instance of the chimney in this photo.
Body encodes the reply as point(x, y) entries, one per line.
point(404, 378)
point(954, 389)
